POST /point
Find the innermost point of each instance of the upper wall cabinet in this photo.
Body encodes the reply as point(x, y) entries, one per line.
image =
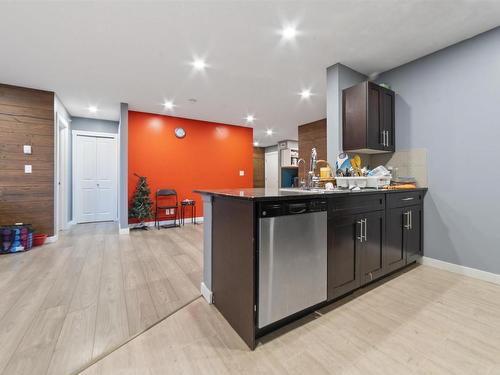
point(368, 119)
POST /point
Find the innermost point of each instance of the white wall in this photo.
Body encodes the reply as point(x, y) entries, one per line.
point(338, 78)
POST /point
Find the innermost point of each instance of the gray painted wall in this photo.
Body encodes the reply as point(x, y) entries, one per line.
point(123, 179)
point(449, 103)
point(338, 78)
point(94, 125)
point(89, 125)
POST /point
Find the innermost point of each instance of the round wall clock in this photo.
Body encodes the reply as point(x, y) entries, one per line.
point(180, 132)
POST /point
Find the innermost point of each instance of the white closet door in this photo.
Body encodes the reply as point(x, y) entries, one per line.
point(96, 173)
point(271, 170)
point(106, 179)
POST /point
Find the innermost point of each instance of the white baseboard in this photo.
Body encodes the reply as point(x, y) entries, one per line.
point(462, 270)
point(206, 293)
point(199, 220)
point(124, 230)
point(51, 239)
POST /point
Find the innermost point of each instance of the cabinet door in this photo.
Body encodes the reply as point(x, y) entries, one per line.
point(372, 249)
point(387, 118)
point(394, 250)
point(354, 119)
point(343, 255)
point(375, 138)
point(414, 237)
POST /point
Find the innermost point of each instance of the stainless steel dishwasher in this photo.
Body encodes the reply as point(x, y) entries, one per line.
point(292, 258)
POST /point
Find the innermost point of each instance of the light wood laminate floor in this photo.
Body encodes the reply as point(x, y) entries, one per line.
point(69, 302)
point(426, 321)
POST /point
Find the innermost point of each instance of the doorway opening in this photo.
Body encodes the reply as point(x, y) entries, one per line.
point(62, 173)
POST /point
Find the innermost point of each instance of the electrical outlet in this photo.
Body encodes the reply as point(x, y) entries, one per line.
point(27, 149)
point(27, 168)
point(242, 173)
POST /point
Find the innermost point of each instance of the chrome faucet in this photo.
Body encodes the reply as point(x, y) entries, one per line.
point(302, 183)
point(313, 180)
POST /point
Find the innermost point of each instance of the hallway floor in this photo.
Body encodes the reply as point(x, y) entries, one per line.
point(66, 303)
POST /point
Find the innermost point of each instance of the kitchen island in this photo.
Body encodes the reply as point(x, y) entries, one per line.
point(272, 256)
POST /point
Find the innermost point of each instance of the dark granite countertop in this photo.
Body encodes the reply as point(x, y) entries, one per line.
point(261, 194)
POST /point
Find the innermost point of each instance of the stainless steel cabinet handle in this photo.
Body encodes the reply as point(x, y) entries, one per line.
point(360, 237)
point(411, 219)
point(408, 199)
point(387, 142)
point(407, 220)
point(366, 237)
point(383, 137)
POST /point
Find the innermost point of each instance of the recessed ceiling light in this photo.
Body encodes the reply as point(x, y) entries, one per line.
point(289, 32)
point(169, 104)
point(256, 143)
point(199, 64)
point(305, 94)
point(92, 109)
point(250, 118)
point(269, 131)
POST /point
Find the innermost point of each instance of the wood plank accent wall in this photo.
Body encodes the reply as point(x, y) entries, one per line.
point(27, 118)
point(258, 167)
point(312, 135)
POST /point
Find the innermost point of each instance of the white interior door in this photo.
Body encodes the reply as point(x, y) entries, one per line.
point(271, 170)
point(96, 179)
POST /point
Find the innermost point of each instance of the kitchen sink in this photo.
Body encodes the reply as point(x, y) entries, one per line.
point(324, 191)
point(309, 191)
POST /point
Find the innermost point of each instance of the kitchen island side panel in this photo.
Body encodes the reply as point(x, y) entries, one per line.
point(233, 264)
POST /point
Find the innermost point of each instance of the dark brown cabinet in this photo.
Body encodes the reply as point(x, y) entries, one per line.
point(368, 118)
point(394, 252)
point(372, 249)
point(356, 235)
point(404, 242)
point(344, 246)
point(414, 235)
point(369, 237)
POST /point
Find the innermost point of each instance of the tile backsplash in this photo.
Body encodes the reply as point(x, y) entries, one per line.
point(406, 163)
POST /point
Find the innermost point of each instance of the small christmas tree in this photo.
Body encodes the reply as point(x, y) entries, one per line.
point(141, 206)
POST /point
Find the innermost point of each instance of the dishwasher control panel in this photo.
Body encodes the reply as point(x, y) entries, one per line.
point(295, 207)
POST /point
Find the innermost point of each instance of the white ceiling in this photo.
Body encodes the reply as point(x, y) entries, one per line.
point(103, 53)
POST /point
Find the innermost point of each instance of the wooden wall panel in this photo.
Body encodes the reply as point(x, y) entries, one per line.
point(312, 135)
point(258, 167)
point(27, 118)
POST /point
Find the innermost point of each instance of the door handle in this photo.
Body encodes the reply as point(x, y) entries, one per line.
point(408, 199)
point(407, 220)
point(360, 237)
point(411, 219)
point(383, 137)
point(366, 237)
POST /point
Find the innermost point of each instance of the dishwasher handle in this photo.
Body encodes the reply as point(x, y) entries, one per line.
point(297, 208)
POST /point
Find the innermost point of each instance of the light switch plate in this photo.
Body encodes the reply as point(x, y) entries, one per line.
point(27, 149)
point(242, 173)
point(27, 168)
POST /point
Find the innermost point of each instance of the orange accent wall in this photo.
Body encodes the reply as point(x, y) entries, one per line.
point(210, 156)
